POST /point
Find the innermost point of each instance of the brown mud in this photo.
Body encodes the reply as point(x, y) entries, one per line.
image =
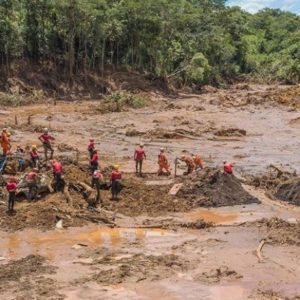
point(29, 278)
point(198, 244)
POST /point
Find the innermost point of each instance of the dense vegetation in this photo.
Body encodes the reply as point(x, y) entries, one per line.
point(190, 41)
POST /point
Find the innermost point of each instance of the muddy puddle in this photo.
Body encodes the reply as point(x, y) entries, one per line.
point(50, 243)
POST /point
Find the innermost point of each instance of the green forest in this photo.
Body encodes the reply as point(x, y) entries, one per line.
point(188, 41)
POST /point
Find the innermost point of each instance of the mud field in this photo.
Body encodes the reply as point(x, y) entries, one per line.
point(219, 237)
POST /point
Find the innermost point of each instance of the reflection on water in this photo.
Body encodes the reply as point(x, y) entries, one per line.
point(211, 216)
point(20, 244)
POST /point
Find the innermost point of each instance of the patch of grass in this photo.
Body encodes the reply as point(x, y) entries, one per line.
point(125, 99)
point(14, 100)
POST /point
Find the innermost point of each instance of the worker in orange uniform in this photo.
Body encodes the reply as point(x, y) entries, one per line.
point(115, 180)
point(163, 164)
point(199, 165)
point(46, 139)
point(5, 141)
point(228, 167)
point(189, 163)
point(11, 187)
point(139, 156)
point(57, 172)
point(91, 147)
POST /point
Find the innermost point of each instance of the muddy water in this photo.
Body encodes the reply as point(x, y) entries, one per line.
point(50, 243)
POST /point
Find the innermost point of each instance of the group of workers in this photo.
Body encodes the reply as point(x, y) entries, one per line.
point(193, 163)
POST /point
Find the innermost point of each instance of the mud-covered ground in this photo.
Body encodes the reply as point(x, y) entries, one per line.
point(219, 237)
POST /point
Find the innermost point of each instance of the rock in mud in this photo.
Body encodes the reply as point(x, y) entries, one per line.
point(213, 188)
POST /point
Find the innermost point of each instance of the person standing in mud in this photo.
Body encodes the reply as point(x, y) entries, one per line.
point(139, 156)
point(57, 172)
point(20, 154)
point(94, 162)
point(35, 157)
point(97, 178)
point(189, 163)
point(5, 141)
point(163, 164)
point(115, 179)
point(46, 139)
point(91, 148)
point(11, 187)
point(228, 167)
point(32, 183)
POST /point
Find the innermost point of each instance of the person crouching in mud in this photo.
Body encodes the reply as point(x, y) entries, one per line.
point(116, 186)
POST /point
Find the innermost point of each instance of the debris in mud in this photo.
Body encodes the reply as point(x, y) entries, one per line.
point(274, 176)
point(26, 277)
point(231, 132)
point(216, 275)
point(215, 188)
point(138, 267)
point(271, 295)
point(138, 198)
point(289, 191)
point(173, 223)
point(178, 133)
point(133, 132)
point(278, 231)
point(281, 183)
point(65, 147)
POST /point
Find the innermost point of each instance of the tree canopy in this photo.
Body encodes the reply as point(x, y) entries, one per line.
point(192, 41)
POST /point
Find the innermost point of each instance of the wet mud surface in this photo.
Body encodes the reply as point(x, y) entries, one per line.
point(202, 243)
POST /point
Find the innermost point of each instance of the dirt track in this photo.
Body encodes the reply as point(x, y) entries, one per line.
point(151, 244)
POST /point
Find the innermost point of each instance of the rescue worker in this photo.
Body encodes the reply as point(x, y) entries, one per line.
point(139, 156)
point(11, 187)
point(199, 165)
point(115, 179)
point(228, 167)
point(35, 157)
point(91, 148)
point(163, 164)
point(57, 172)
point(94, 162)
point(189, 163)
point(32, 183)
point(5, 141)
point(20, 154)
point(97, 178)
point(46, 139)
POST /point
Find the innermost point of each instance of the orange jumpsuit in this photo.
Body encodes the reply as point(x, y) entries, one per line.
point(163, 164)
point(5, 143)
point(198, 162)
point(189, 163)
